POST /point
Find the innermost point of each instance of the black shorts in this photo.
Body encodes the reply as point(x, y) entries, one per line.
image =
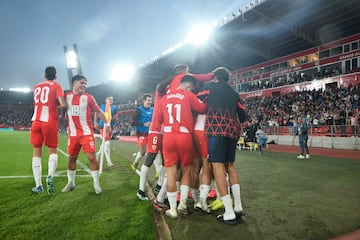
point(221, 149)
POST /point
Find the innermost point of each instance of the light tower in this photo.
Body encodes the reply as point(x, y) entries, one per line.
point(72, 62)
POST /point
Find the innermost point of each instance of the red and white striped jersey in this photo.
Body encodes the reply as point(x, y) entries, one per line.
point(46, 96)
point(79, 112)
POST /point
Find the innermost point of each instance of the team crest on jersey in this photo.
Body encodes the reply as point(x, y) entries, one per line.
point(91, 139)
point(75, 110)
point(153, 147)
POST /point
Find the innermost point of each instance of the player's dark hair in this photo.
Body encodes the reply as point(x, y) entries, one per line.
point(189, 79)
point(179, 68)
point(78, 77)
point(146, 95)
point(222, 74)
point(50, 73)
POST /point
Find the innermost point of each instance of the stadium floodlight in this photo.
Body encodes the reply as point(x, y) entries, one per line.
point(215, 24)
point(122, 73)
point(199, 34)
point(71, 59)
point(25, 90)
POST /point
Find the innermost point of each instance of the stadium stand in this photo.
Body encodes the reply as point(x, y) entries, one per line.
point(287, 58)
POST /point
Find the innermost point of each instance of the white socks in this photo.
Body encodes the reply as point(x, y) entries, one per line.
point(52, 164)
point(71, 176)
point(143, 177)
point(204, 191)
point(158, 163)
point(172, 199)
point(161, 195)
point(229, 211)
point(37, 169)
point(237, 199)
point(95, 176)
point(107, 151)
point(184, 192)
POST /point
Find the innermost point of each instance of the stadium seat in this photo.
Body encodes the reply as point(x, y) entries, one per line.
point(241, 144)
point(252, 146)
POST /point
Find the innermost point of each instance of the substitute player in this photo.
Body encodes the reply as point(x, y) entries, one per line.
point(100, 125)
point(141, 120)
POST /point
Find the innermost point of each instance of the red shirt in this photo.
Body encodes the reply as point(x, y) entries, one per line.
point(155, 126)
point(79, 112)
point(46, 96)
point(176, 111)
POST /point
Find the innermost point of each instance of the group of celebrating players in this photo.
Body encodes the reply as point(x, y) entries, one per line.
point(197, 139)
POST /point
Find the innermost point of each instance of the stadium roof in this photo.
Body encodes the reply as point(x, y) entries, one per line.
point(265, 30)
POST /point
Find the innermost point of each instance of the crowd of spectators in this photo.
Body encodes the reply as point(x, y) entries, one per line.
point(335, 107)
point(122, 124)
point(15, 117)
point(293, 78)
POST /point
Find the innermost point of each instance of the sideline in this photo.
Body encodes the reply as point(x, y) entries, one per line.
point(162, 228)
point(315, 151)
point(43, 176)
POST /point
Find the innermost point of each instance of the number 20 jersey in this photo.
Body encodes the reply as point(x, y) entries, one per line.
point(46, 96)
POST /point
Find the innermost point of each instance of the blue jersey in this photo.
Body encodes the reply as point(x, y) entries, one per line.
point(261, 136)
point(112, 111)
point(143, 115)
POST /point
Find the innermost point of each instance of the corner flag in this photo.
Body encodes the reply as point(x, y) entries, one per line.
point(108, 111)
point(108, 121)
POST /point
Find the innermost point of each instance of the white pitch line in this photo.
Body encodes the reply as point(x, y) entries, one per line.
point(57, 174)
point(44, 176)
